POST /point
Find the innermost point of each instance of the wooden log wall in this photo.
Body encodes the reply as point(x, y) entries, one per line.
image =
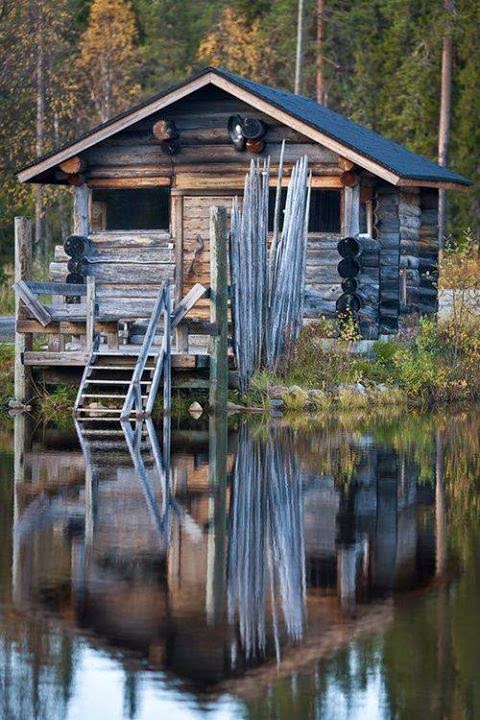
point(128, 266)
point(206, 156)
point(387, 229)
point(322, 281)
point(369, 288)
point(428, 252)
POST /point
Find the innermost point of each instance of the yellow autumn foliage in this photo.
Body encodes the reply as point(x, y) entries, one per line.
point(108, 59)
point(234, 44)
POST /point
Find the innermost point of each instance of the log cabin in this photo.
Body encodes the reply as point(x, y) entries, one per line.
point(144, 181)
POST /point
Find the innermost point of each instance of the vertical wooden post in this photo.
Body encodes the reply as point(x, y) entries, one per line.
point(181, 332)
point(23, 269)
point(167, 358)
point(351, 210)
point(90, 329)
point(81, 196)
point(218, 309)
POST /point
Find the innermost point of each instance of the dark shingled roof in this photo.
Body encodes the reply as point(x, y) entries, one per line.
point(388, 154)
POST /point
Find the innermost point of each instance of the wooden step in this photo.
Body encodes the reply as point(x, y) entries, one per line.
point(120, 367)
point(107, 432)
point(110, 397)
point(109, 411)
point(96, 381)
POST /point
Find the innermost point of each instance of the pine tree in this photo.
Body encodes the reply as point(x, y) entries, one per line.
point(107, 64)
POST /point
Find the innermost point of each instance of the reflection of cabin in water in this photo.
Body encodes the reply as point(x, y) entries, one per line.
point(164, 599)
point(144, 181)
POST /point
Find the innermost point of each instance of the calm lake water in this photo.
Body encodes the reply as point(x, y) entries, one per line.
point(309, 569)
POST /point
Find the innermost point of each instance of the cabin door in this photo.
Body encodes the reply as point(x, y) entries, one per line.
point(196, 244)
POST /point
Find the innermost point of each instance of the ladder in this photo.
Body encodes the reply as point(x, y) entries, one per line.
point(123, 384)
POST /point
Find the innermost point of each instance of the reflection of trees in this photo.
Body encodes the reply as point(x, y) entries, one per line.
point(425, 664)
point(266, 549)
point(36, 662)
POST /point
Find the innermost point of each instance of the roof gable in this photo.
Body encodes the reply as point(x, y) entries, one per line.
point(368, 149)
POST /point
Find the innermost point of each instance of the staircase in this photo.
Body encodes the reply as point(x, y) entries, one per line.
point(123, 384)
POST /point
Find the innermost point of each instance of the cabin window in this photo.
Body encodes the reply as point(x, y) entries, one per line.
point(324, 210)
point(135, 209)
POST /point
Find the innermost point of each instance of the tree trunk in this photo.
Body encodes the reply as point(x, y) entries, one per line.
point(320, 63)
point(445, 112)
point(40, 82)
point(300, 48)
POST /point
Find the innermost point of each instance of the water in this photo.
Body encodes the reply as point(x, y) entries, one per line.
point(316, 569)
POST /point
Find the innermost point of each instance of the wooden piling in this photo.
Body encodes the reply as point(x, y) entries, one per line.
point(23, 341)
point(218, 309)
point(90, 308)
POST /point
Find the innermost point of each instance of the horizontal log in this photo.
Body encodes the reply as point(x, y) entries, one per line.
point(125, 238)
point(122, 272)
point(51, 288)
point(73, 165)
point(151, 154)
point(39, 359)
point(129, 182)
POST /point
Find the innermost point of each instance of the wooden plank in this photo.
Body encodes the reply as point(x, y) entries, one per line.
point(187, 303)
point(54, 328)
point(32, 303)
point(53, 288)
point(43, 359)
point(219, 309)
point(125, 182)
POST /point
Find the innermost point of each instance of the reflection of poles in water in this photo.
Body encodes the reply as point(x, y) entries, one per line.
point(21, 443)
point(218, 441)
point(440, 517)
point(444, 648)
point(266, 544)
point(133, 437)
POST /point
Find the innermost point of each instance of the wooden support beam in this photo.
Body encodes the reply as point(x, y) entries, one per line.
point(186, 303)
point(32, 303)
point(23, 269)
point(219, 308)
point(90, 330)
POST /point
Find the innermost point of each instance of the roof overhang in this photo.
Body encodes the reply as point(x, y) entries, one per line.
point(211, 77)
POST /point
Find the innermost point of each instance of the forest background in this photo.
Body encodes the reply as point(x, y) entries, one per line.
point(70, 64)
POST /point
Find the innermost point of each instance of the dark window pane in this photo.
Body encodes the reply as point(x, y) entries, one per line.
point(324, 210)
point(143, 209)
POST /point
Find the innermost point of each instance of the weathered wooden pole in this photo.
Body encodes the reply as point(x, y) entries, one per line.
point(23, 341)
point(80, 210)
point(351, 210)
point(218, 309)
